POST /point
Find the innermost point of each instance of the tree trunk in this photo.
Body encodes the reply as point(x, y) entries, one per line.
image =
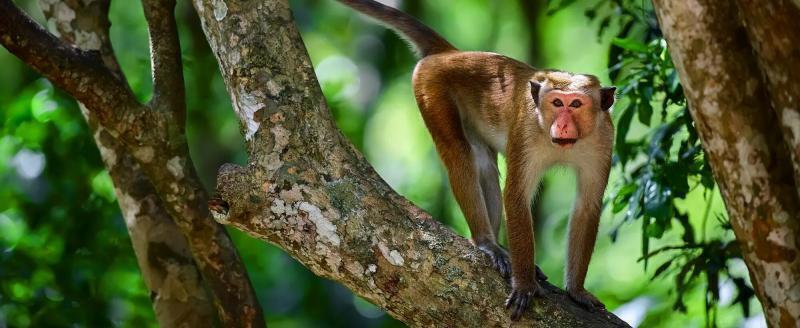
point(307, 190)
point(153, 135)
point(736, 97)
point(176, 288)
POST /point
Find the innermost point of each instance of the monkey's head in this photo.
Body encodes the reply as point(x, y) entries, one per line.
point(570, 106)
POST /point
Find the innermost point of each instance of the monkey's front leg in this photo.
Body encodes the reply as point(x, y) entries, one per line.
point(522, 178)
point(583, 233)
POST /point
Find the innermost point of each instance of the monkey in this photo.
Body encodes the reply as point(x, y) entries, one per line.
point(477, 105)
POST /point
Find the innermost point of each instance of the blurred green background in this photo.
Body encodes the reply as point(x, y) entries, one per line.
point(66, 260)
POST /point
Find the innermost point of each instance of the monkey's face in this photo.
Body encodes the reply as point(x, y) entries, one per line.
point(570, 114)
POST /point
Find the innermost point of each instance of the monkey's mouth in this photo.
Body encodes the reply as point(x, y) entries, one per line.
point(564, 142)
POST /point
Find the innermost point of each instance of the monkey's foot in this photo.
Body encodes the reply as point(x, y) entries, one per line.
point(520, 298)
point(499, 258)
point(586, 299)
point(502, 263)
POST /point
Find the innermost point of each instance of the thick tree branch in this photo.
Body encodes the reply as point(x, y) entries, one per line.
point(165, 54)
point(738, 127)
point(80, 73)
point(778, 53)
point(177, 291)
point(307, 190)
point(176, 181)
point(164, 156)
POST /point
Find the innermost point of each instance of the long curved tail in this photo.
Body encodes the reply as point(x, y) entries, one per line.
point(424, 39)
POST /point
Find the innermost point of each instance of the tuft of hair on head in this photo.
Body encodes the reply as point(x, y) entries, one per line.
point(562, 80)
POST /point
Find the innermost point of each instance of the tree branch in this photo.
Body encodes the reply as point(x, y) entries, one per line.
point(165, 158)
point(177, 291)
point(80, 73)
point(307, 190)
point(730, 106)
point(778, 55)
point(165, 54)
point(154, 138)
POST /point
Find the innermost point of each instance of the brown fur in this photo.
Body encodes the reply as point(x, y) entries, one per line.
point(479, 104)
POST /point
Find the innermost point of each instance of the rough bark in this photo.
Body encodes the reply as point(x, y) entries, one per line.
point(740, 132)
point(153, 134)
point(777, 46)
point(176, 289)
point(307, 190)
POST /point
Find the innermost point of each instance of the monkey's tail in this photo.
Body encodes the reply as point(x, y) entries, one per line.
point(424, 39)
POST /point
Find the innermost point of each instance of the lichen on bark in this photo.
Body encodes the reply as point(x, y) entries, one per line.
point(741, 134)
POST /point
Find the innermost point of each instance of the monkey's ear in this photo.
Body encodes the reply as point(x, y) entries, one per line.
point(535, 88)
point(607, 97)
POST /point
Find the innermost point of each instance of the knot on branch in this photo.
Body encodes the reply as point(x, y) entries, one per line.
point(219, 208)
point(234, 183)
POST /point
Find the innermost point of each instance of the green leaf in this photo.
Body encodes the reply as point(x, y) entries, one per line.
point(645, 241)
point(654, 230)
point(645, 111)
point(31, 134)
point(13, 228)
point(43, 107)
point(630, 44)
point(622, 197)
point(623, 125)
point(657, 203)
point(103, 186)
point(661, 268)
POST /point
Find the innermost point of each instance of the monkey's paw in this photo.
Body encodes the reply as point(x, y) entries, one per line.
point(586, 299)
point(502, 263)
point(520, 298)
point(499, 258)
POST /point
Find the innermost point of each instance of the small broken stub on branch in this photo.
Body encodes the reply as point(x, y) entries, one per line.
point(219, 209)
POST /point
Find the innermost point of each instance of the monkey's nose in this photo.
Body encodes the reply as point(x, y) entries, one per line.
point(564, 131)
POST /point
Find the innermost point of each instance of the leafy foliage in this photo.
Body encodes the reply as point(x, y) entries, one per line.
point(53, 222)
point(661, 166)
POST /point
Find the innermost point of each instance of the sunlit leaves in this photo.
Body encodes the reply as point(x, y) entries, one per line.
point(102, 186)
point(43, 107)
point(59, 225)
point(630, 45)
point(13, 229)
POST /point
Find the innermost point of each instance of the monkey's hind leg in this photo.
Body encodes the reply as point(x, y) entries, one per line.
point(486, 159)
point(464, 175)
point(459, 156)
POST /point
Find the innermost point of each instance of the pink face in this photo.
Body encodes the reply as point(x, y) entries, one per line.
point(573, 111)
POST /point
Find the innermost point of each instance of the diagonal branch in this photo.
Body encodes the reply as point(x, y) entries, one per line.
point(165, 54)
point(166, 160)
point(176, 289)
point(81, 73)
point(307, 190)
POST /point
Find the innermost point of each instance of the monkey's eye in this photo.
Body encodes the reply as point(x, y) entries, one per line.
point(575, 103)
point(558, 103)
